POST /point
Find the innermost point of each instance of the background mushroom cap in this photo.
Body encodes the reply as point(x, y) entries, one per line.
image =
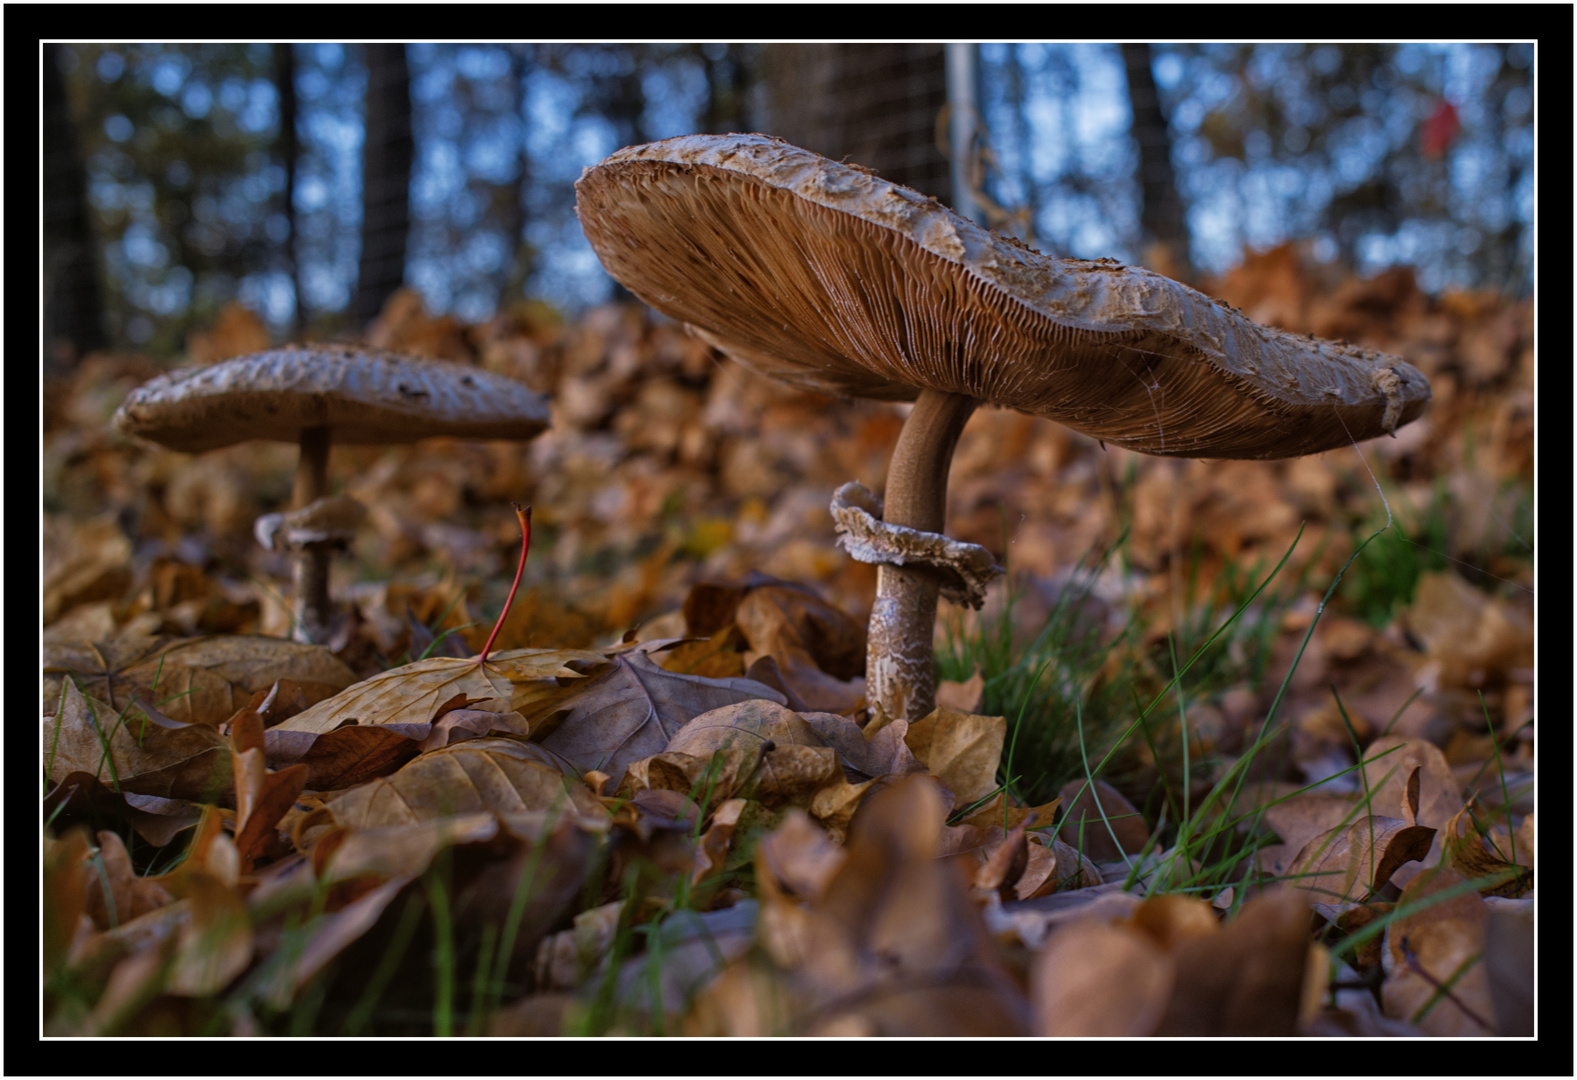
point(827, 277)
point(361, 395)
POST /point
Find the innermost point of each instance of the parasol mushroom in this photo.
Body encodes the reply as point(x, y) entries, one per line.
point(316, 396)
point(827, 277)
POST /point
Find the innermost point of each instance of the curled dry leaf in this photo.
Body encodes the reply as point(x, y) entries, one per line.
point(565, 959)
point(1345, 866)
point(196, 680)
point(1472, 855)
point(1388, 767)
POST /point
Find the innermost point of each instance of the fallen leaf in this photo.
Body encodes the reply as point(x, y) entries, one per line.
point(1248, 978)
point(960, 749)
point(1346, 866)
point(1090, 824)
point(194, 680)
point(1442, 943)
point(82, 561)
point(117, 893)
point(1469, 852)
point(80, 798)
point(215, 943)
point(502, 776)
point(1508, 959)
point(632, 710)
point(1173, 918)
point(1094, 979)
point(520, 680)
point(895, 920)
point(130, 751)
point(967, 697)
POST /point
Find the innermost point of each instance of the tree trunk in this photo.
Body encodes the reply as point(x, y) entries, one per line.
point(1161, 215)
point(388, 154)
point(73, 293)
point(289, 152)
point(872, 104)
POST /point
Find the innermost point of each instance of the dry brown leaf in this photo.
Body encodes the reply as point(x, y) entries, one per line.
point(1055, 867)
point(785, 619)
point(1247, 979)
point(1303, 817)
point(82, 561)
point(1442, 943)
point(215, 943)
point(195, 680)
point(712, 851)
point(1083, 824)
point(1173, 918)
point(720, 656)
point(136, 752)
point(261, 797)
point(962, 750)
point(1389, 762)
point(632, 710)
point(79, 797)
point(894, 916)
point(1471, 637)
point(565, 959)
point(968, 696)
point(519, 680)
point(1344, 867)
point(502, 776)
point(1508, 956)
point(330, 935)
point(1469, 852)
point(67, 874)
point(117, 893)
point(1095, 979)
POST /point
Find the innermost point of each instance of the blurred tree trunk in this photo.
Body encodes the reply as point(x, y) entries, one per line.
point(511, 194)
point(1161, 217)
point(727, 69)
point(388, 154)
point(873, 104)
point(289, 152)
point(73, 295)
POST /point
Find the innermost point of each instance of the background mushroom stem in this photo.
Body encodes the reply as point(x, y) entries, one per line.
point(314, 609)
point(899, 671)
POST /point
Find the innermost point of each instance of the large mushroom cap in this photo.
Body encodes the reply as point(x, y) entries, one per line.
point(362, 395)
point(826, 276)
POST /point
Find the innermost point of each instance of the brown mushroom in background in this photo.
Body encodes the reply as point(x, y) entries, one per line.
point(829, 278)
point(316, 396)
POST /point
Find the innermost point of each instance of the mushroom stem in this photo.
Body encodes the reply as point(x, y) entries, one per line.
point(899, 669)
point(314, 609)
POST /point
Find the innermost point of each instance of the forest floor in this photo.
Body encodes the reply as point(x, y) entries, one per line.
point(1182, 780)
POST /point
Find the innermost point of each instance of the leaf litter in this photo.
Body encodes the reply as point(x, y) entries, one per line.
point(694, 825)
